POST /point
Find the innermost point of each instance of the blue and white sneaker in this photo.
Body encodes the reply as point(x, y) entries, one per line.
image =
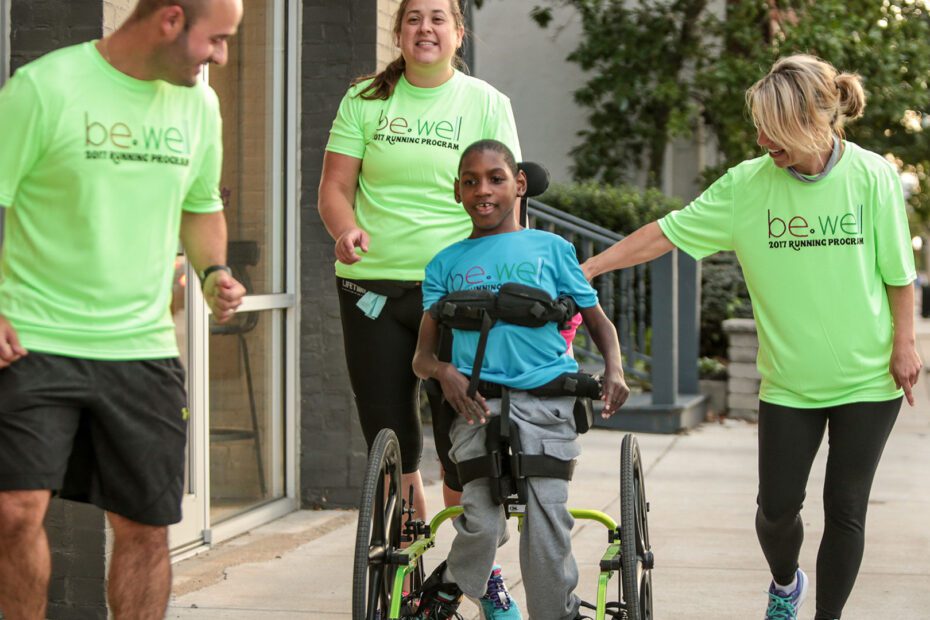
point(785, 606)
point(496, 604)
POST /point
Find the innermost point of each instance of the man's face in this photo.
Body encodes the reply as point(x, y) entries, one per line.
point(201, 42)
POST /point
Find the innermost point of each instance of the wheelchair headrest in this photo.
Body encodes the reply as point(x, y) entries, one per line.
point(537, 178)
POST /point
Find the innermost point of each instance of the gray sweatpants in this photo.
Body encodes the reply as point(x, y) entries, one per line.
point(550, 575)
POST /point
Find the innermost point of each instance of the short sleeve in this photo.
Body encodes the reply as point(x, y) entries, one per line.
point(432, 285)
point(571, 278)
point(501, 126)
point(204, 194)
point(892, 233)
point(705, 226)
point(347, 135)
point(23, 131)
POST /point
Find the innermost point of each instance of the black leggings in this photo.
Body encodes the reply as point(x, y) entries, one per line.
point(788, 441)
point(379, 354)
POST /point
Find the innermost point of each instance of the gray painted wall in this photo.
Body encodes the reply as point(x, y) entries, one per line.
point(528, 65)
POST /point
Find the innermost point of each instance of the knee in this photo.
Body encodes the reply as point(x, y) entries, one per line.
point(22, 513)
point(148, 539)
point(841, 509)
point(778, 513)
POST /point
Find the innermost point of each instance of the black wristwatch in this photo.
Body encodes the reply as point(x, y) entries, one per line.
point(206, 272)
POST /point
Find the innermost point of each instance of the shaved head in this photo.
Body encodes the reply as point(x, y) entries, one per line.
point(193, 9)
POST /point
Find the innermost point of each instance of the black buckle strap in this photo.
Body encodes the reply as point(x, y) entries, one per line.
point(540, 465)
point(485, 466)
point(486, 324)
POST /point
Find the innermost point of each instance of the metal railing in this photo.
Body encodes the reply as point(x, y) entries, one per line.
point(654, 308)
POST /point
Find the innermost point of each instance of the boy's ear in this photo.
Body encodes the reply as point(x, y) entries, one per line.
point(458, 196)
point(521, 183)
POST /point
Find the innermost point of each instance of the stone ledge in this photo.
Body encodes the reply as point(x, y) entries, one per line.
point(639, 415)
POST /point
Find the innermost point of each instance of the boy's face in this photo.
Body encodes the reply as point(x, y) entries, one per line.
point(488, 190)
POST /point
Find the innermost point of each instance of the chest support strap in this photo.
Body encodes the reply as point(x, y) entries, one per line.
point(479, 310)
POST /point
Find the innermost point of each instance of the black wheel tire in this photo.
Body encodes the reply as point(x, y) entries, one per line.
point(379, 529)
point(635, 551)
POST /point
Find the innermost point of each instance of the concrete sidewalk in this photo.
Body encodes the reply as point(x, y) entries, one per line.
point(701, 487)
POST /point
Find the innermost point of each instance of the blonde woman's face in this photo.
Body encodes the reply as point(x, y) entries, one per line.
point(428, 33)
point(778, 154)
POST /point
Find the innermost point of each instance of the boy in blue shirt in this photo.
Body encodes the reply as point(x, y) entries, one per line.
point(520, 358)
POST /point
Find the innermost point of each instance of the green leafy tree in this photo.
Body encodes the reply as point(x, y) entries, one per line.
point(657, 67)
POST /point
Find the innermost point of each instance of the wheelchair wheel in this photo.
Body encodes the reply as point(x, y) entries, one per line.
point(379, 530)
point(635, 553)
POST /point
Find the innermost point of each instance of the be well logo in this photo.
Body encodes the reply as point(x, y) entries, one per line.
point(478, 277)
point(118, 142)
point(400, 129)
point(799, 232)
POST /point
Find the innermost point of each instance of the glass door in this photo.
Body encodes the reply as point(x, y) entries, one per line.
point(241, 374)
point(247, 356)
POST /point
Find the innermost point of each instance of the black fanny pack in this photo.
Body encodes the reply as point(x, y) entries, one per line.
point(514, 303)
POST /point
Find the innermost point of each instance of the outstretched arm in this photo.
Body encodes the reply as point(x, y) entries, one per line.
point(642, 246)
point(614, 391)
point(336, 199)
point(905, 363)
point(454, 384)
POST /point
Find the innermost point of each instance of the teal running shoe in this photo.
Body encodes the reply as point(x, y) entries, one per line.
point(784, 606)
point(496, 604)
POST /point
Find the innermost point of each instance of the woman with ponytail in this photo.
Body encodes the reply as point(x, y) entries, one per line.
point(819, 227)
point(386, 197)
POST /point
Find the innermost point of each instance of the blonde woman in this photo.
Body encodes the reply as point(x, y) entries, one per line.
point(387, 199)
point(819, 227)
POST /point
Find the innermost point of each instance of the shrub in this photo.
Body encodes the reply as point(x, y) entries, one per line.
point(621, 208)
point(723, 296)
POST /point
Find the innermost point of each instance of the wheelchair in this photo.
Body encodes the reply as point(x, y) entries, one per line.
point(390, 542)
point(386, 521)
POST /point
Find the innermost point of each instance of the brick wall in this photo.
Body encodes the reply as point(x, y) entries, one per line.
point(339, 42)
point(81, 546)
point(115, 13)
point(40, 26)
point(387, 50)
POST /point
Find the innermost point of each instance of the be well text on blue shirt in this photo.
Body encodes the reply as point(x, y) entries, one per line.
point(516, 356)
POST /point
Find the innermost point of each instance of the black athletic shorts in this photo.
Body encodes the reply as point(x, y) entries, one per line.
point(108, 433)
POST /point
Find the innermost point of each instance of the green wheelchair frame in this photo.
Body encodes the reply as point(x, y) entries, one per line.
point(382, 568)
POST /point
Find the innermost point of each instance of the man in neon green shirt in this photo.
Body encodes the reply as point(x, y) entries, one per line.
point(110, 150)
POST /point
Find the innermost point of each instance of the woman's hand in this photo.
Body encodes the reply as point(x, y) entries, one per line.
point(614, 393)
point(455, 388)
point(905, 367)
point(346, 244)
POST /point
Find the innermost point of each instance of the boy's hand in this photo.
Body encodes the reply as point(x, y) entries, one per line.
point(455, 388)
point(614, 393)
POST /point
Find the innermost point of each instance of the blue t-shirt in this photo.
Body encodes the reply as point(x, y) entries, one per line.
point(519, 357)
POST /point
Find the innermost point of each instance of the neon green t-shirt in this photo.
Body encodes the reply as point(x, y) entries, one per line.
point(410, 147)
point(95, 167)
point(816, 257)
